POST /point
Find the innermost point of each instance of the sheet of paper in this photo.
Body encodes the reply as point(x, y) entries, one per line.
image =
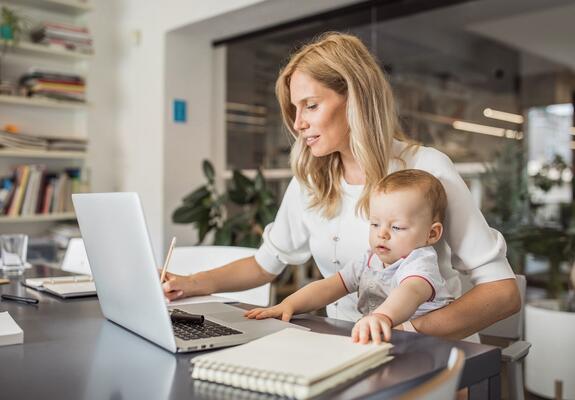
point(10, 332)
point(200, 299)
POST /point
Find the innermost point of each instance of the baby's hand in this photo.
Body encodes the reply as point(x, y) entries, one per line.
point(372, 326)
point(282, 311)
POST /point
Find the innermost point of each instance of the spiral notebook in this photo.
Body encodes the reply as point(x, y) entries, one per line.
point(292, 363)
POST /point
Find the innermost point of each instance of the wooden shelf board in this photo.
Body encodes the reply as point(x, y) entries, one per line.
point(28, 48)
point(65, 155)
point(38, 218)
point(41, 102)
point(70, 7)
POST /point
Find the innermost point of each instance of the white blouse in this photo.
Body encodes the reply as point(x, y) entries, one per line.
point(468, 245)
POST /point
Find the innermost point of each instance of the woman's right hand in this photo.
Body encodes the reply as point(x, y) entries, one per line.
point(282, 311)
point(177, 286)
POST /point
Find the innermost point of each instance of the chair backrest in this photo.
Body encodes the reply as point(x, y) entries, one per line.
point(189, 260)
point(76, 260)
point(510, 327)
point(442, 386)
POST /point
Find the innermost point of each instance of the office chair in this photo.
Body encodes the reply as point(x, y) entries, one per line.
point(512, 356)
point(188, 260)
point(442, 386)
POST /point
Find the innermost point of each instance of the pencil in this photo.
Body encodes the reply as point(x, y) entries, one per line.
point(167, 262)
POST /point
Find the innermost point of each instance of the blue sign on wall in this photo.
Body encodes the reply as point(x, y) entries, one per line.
point(180, 111)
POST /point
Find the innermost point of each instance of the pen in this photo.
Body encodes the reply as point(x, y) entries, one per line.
point(168, 256)
point(11, 297)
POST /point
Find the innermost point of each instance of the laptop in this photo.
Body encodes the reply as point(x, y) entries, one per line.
point(127, 281)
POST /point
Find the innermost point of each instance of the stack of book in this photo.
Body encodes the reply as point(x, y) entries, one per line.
point(29, 142)
point(64, 36)
point(34, 190)
point(54, 85)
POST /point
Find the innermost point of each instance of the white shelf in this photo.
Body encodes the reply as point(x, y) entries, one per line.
point(41, 102)
point(70, 7)
point(38, 218)
point(28, 48)
point(64, 155)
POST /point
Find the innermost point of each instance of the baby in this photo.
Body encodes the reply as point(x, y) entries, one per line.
point(398, 278)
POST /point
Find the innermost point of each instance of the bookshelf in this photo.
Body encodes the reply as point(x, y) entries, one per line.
point(54, 109)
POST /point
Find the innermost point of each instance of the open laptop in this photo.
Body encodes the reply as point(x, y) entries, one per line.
point(127, 281)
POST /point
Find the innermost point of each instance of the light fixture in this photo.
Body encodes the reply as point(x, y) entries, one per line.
point(503, 116)
point(487, 130)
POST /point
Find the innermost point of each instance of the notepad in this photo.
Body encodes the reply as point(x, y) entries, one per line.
point(10, 332)
point(64, 286)
point(292, 363)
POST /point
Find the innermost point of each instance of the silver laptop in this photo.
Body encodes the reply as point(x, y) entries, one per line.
point(127, 281)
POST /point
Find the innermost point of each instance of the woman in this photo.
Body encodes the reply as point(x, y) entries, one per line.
point(340, 109)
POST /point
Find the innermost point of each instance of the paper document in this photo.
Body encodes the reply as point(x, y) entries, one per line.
point(10, 332)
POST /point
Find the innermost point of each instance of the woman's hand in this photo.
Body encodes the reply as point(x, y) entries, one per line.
point(283, 311)
point(177, 286)
point(371, 327)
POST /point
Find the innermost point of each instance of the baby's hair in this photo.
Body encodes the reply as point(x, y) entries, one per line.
point(429, 185)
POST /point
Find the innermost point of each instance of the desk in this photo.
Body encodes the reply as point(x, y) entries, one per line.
point(71, 351)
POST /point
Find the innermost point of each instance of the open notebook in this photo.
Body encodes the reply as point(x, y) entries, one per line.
point(291, 363)
point(64, 286)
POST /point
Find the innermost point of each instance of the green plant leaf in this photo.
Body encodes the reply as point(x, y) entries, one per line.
point(187, 215)
point(197, 195)
point(259, 182)
point(209, 171)
point(223, 237)
point(250, 240)
point(204, 227)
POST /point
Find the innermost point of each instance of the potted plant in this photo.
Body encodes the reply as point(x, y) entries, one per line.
point(550, 322)
point(12, 27)
point(237, 216)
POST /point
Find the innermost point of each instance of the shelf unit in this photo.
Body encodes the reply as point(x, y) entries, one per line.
point(15, 109)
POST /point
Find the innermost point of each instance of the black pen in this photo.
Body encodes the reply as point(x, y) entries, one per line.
point(186, 317)
point(12, 297)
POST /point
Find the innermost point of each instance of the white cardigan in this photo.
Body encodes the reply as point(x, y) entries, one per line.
point(468, 245)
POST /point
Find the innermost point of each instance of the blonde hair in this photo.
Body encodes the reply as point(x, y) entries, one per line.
point(430, 186)
point(343, 64)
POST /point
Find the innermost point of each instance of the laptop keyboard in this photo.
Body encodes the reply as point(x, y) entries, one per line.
point(208, 329)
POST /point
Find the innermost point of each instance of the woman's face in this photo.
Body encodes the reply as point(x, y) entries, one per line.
point(320, 115)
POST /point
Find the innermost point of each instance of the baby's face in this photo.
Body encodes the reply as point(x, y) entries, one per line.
point(400, 222)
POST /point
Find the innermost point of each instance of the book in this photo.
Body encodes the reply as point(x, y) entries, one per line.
point(10, 332)
point(64, 286)
point(293, 363)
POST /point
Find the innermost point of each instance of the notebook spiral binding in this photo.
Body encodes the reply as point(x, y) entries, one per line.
point(249, 378)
